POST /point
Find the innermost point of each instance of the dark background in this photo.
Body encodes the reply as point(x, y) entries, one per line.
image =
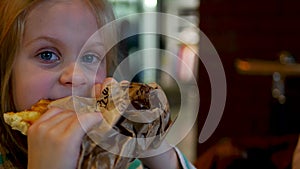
point(257, 29)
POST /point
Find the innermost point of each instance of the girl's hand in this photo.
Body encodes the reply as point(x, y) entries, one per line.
point(97, 88)
point(54, 140)
point(164, 156)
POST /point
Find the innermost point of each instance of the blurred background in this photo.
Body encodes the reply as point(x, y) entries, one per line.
point(258, 44)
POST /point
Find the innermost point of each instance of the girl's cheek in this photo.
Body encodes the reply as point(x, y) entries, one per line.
point(29, 93)
point(30, 86)
point(100, 77)
point(101, 73)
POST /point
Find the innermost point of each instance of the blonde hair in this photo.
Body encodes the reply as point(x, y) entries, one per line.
point(12, 22)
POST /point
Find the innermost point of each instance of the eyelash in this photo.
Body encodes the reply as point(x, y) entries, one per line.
point(88, 55)
point(96, 55)
point(49, 59)
point(45, 56)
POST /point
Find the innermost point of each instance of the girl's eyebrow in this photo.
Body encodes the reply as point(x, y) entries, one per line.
point(94, 45)
point(43, 38)
point(94, 42)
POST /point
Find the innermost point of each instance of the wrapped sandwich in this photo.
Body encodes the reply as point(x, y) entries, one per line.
point(136, 118)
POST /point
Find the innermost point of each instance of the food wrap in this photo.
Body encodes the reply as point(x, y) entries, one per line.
point(136, 119)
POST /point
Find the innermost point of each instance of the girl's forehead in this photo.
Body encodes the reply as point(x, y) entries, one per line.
point(53, 2)
point(69, 5)
point(48, 15)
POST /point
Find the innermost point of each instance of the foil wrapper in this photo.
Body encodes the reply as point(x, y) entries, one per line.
point(136, 119)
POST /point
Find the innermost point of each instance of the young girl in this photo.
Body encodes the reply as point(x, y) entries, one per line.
point(40, 43)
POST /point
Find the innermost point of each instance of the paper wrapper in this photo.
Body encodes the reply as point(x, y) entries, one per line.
point(136, 118)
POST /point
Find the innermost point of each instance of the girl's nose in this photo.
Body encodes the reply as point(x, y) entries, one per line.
point(73, 76)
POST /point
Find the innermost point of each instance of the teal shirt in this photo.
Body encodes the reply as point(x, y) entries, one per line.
point(185, 164)
point(135, 164)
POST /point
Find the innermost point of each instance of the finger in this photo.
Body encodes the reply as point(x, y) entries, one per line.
point(96, 90)
point(51, 120)
point(72, 130)
point(87, 121)
point(124, 81)
point(108, 81)
point(60, 128)
point(48, 114)
point(98, 87)
point(66, 125)
point(77, 127)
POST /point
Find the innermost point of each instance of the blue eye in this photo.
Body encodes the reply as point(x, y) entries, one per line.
point(90, 59)
point(48, 57)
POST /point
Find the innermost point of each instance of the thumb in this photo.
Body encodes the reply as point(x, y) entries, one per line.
point(89, 120)
point(98, 87)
